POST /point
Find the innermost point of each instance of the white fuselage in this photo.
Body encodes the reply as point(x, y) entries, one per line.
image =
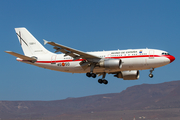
point(132, 59)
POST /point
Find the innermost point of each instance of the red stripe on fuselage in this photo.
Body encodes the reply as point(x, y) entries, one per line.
point(118, 57)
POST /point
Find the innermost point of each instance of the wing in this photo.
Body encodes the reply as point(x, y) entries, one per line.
point(23, 57)
point(76, 54)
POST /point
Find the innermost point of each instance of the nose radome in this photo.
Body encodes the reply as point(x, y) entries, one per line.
point(171, 58)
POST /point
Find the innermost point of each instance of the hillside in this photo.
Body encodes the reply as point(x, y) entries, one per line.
point(140, 97)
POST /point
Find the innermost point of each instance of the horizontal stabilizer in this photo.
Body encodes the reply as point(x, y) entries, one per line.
point(21, 56)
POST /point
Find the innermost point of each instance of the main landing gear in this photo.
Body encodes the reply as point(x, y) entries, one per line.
point(93, 75)
point(103, 80)
point(151, 75)
point(89, 74)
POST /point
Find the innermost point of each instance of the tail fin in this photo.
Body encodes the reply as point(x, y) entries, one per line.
point(29, 43)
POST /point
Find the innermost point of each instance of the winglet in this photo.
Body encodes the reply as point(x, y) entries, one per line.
point(45, 41)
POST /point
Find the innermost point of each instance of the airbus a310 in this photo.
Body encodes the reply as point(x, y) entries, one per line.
point(123, 64)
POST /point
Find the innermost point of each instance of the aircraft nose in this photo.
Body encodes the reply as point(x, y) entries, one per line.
point(171, 58)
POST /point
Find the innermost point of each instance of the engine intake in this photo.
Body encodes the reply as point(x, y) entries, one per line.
point(128, 75)
point(111, 63)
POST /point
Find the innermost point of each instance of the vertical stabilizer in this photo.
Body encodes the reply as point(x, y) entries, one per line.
point(29, 43)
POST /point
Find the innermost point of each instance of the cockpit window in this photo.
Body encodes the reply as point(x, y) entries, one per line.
point(165, 54)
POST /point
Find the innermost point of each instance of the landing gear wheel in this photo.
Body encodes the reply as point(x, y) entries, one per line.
point(151, 70)
point(93, 75)
point(150, 75)
point(100, 81)
point(88, 74)
point(105, 82)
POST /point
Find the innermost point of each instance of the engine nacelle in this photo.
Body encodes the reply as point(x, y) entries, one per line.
point(110, 63)
point(128, 75)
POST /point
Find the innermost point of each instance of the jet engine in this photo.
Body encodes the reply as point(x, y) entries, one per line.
point(128, 75)
point(110, 63)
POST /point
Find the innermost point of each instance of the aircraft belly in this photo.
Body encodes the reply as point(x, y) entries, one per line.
point(157, 62)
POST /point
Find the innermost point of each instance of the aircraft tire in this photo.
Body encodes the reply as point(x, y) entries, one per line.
point(151, 75)
point(88, 74)
point(93, 75)
point(105, 82)
point(100, 81)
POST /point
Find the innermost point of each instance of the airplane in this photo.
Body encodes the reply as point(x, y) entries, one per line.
point(124, 64)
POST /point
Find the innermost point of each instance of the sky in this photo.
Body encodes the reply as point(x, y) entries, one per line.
point(92, 25)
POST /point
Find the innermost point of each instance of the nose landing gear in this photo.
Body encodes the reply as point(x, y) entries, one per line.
point(151, 75)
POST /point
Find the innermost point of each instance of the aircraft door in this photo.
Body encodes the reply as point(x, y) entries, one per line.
point(53, 59)
point(151, 54)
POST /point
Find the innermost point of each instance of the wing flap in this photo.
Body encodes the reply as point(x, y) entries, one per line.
point(20, 56)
